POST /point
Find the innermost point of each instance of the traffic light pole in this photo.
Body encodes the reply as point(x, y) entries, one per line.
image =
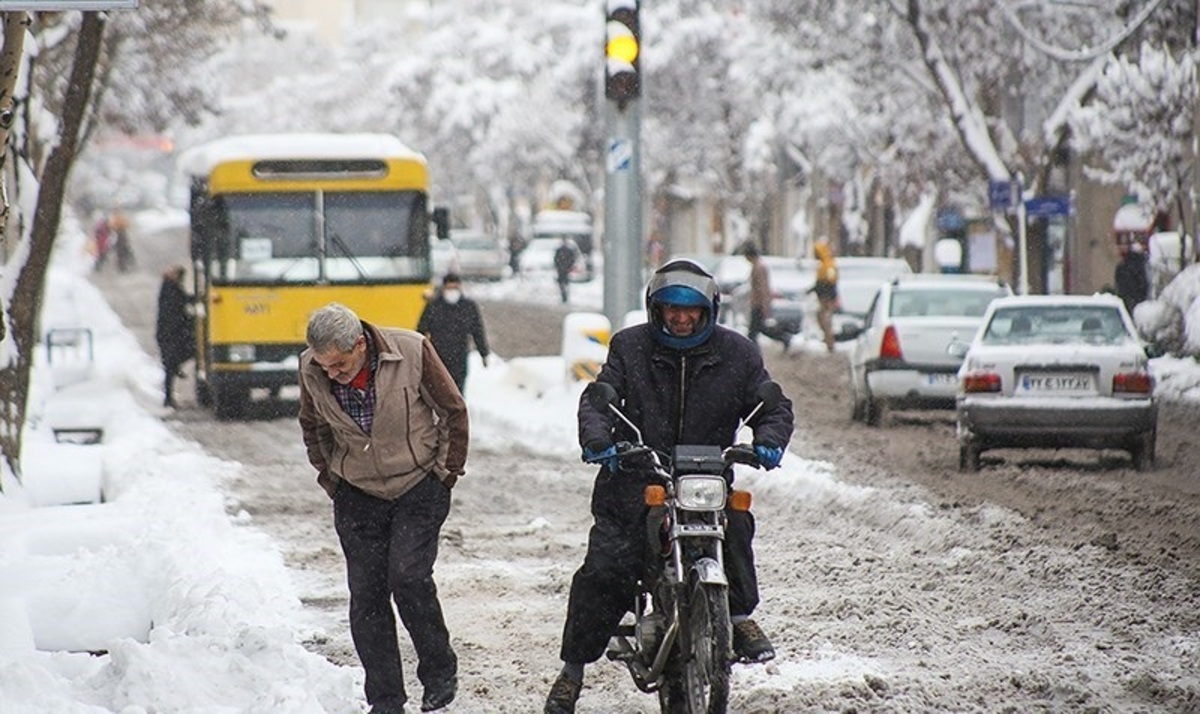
point(622, 211)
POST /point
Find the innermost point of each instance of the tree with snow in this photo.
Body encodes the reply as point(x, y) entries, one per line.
point(1139, 126)
point(73, 71)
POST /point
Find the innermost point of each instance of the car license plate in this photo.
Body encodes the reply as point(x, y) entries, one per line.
point(942, 379)
point(1057, 383)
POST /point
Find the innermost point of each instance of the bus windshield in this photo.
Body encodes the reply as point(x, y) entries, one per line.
point(322, 236)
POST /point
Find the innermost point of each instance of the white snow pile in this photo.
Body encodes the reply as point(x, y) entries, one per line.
point(1172, 321)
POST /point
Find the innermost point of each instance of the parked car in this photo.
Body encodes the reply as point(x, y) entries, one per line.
point(480, 255)
point(790, 283)
point(855, 267)
point(443, 257)
point(1055, 371)
point(899, 359)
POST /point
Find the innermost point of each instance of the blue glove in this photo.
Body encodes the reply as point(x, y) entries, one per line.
point(602, 453)
point(768, 456)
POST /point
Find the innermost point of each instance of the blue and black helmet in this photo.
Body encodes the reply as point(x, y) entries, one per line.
point(685, 283)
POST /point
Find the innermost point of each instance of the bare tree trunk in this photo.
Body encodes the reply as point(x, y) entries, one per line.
point(16, 25)
point(31, 280)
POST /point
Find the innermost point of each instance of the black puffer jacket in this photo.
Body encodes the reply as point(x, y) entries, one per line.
point(684, 397)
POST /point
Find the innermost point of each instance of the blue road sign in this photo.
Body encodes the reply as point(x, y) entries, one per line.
point(1001, 195)
point(1043, 206)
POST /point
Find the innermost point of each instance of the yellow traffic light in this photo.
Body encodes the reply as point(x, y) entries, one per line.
point(621, 50)
point(622, 45)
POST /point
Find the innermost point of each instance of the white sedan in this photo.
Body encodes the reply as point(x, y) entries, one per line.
point(1057, 371)
point(900, 358)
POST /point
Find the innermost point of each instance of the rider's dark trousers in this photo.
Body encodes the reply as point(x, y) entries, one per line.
point(390, 549)
point(605, 586)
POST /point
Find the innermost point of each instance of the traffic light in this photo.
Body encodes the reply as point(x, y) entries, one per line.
point(622, 45)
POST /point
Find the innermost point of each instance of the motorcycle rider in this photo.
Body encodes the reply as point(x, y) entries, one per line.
point(683, 379)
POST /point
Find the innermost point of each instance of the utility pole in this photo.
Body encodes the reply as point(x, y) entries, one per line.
point(622, 169)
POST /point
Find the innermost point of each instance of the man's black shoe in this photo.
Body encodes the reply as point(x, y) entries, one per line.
point(563, 696)
point(388, 706)
point(439, 694)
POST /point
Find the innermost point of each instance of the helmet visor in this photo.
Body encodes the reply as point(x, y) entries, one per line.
point(681, 287)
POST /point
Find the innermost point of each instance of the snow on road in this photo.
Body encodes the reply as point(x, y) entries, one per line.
point(879, 597)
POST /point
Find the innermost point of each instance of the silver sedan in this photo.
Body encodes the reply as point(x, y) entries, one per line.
point(899, 358)
point(1057, 371)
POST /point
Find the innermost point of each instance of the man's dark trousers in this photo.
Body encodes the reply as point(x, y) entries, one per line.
point(390, 549)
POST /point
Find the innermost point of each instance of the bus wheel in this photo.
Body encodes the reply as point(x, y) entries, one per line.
point(229, 402)
point(203, 394)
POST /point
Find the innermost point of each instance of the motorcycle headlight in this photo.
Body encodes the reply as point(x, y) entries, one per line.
point(700, 493)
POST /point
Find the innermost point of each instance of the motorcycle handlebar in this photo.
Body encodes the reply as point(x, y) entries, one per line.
point(742, 454)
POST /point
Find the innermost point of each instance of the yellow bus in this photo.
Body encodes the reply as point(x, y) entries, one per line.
point(282, 224)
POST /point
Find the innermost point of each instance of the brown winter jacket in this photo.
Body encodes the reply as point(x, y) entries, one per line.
point(760, 287)
point(420, 422)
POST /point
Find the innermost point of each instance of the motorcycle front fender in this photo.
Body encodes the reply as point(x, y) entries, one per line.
point(709, 571)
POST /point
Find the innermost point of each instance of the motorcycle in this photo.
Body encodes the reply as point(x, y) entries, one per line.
point(680, 643)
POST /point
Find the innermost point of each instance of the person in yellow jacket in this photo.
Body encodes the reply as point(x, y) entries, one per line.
point(826, 289)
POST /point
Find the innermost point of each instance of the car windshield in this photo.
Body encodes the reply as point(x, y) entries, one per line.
point(1056, 324)
point(942, 302)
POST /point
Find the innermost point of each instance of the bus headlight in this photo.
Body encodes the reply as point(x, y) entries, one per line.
point(241, 353)
point(700, 493)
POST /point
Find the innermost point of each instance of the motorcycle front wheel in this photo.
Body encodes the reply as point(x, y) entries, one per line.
point(701, 677)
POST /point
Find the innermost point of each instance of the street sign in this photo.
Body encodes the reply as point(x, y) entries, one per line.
point(1000, 196)
point(620, 156)
point(1044, 206)
point(59, 5)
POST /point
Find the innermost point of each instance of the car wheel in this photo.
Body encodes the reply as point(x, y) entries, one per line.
point(968, 456)
point(872, 410)
point(1142, 451)
point(856, 402)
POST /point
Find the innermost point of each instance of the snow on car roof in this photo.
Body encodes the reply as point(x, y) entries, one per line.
point(1094, 299)
point(200, 160)
point(556, 217)
point(947, 281)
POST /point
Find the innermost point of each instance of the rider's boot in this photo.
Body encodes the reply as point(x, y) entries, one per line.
point(563, 696)
point(750, 643)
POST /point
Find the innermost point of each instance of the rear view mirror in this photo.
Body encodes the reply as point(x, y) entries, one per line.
point(770, 394)
point(600, 395)
point(441, 220)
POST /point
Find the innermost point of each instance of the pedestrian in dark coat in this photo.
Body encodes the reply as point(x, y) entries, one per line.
point(174, 329)
point(451, 319)
point(682, 379)
point(1132, 278)
point(564, 260)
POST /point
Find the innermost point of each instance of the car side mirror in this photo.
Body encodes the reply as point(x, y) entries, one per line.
point(957, 348)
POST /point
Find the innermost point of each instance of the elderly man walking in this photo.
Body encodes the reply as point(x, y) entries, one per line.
point(386, 429)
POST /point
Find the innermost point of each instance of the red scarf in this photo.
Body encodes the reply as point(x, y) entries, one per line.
point(360, 380)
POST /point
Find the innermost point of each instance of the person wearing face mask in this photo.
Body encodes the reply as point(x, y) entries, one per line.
point(450, 319)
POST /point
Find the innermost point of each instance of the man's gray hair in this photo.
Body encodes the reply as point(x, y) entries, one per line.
point(334, 325)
